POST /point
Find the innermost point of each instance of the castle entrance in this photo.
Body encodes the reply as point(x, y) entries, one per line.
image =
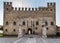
point(29, 31)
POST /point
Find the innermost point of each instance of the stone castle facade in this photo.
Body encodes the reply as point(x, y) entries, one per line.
point(29, 19)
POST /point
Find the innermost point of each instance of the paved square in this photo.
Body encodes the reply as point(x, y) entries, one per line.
point(29, 40)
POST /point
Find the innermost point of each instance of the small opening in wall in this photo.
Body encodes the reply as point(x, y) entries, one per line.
point(46, 23)
point(42, 25)
point(7, 23)
point(50, 9)
point(23, 22)
point(47, 28)
point(6, 30)
point(37, 23)
point(6, 8)
point(52, 23)
point(14, 30)
point(14, 23)
point(58, 34)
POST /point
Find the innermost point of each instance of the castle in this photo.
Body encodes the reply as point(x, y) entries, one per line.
point(29, 19)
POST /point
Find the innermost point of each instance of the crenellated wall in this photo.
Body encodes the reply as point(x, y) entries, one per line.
point(30, 9)
point(12, 14)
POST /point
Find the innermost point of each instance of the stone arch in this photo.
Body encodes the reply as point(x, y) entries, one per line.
point(29, 30)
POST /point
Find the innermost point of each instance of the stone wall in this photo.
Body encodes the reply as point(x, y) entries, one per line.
point(12, 14)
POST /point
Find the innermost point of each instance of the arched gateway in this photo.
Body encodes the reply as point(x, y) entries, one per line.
point(29, 31)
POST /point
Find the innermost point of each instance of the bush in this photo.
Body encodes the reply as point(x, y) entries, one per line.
point(1, 34)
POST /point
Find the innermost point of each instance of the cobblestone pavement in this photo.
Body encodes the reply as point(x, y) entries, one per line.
point(29, 40)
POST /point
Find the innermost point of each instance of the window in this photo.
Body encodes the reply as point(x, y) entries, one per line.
point(6, 30)
point(50, 9)
point(14, 30)
point(46, 23)
point(7, 23)
point(23, 22)
point(37, 23)
point(6, 8)
point(52, 23)
point(14, 23)
point(47, 28)
point(42, 25)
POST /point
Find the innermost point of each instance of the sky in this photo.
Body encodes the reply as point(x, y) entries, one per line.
point(31, 3)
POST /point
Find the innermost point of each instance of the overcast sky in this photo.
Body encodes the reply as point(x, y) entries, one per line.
point(31, 3)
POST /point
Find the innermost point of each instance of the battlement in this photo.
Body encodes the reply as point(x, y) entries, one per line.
point(25, 9)
point(30, 9)
point(7, 3)
point(51, 3)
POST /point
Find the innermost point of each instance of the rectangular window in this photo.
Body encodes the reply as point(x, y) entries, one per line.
point(23, 22)
point(46, 23)
point(14, 23)
point(52, 23)
point(7, 23)
point(37, 23)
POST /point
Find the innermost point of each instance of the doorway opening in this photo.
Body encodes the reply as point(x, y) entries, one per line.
point(29, 31)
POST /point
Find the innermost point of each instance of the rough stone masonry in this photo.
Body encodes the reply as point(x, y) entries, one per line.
point(29, 19)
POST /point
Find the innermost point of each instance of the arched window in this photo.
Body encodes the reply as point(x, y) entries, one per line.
point(14, 23)
point(6, 22)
